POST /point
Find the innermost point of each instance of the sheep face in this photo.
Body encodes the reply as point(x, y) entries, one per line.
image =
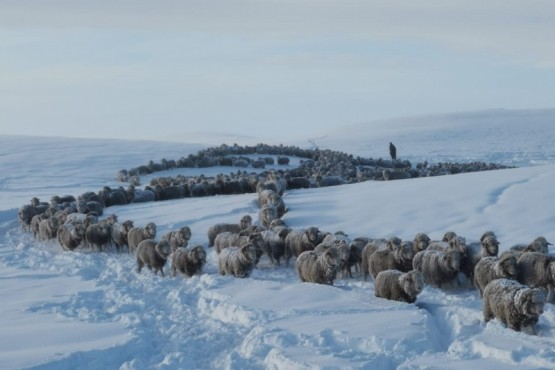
point(488, 234)
point(452, 259)
point(163, 249)
point(150, 230)
point(448, 236)
point(490, 246)
point(508, 266)
point(531, 302)
point(421, 242)
point(412, 282)
point(245, 222)
point(312, 233)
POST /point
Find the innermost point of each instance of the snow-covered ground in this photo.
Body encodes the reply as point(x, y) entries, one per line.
point(90, 310)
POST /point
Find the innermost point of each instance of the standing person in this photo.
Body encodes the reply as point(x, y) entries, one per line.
point(392, 151)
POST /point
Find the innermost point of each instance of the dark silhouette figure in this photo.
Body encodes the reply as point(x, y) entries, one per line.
point(392, 151)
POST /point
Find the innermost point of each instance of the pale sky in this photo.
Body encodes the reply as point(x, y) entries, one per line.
point(162, 69)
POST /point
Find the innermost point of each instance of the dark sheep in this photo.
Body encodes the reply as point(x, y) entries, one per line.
point(188, 261)
point(70, 236)
point(152, 254)
point(179, 238)
point(138, 234)
point(298, 241)
point(398, 286)
point(236, 261)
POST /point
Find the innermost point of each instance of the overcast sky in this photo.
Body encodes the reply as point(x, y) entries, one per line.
point(163, 69)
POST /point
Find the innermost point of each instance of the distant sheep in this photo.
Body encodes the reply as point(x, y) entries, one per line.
point(188, 261)
point(398, 286)
point(119, 233)
point(298, 241)
point(216, 229)
point(236, 261)
point(138, 234)
point(318, 267)
point(491, 268)
point(438, 268)
point(70, 236)
point(537, 270)
point(152, 254)
point(396, 258)
point(179, 238)
point(514, 304)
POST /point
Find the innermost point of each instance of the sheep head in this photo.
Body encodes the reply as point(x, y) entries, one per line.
point(530, 302)
point(163, 249)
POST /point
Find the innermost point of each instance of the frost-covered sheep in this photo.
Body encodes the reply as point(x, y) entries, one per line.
point(514, 304)
point(25, 215)
point(35, 224)
point(421, 242)
point(153, 254)
point(236, 261)
point(318, 267)
point(268, 213)
point(140, 196)
point(298, 241)
point(70, 236)
point(439, 268)
point(491, 268)
point(273, 243)
point(540, 244)
point(396, 258)
point(178, 238)
point(138, 234)
point(119, 233)
point(216, 229)
point(343, 254)
point(537, 270)
point(188, 261)
point(373, 246)
point(99, 235)
point(48, 228)
point(271, 197)
point(398, 286)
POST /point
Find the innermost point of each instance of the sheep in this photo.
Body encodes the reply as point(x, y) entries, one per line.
point(271, 197)
point(268, 213)
point(439, 268)
point(237, 261)
point(25, 215)
point(273, 244)
point(35, 224)
point(298, 241)
point(396, 258)
point(355, 258)
point(373, 246)
point(98, 235)
point(515, 305)
point(152, 254)
point(421, 242)
point(540, 244)
point(141, 196)
point(113, 197)
point(119, 233)
point(214, 230)
point(537, 270)
point(188, 261)
point(318, 267)
point(138, 234)
point(227, 239)
point(491, 268)
point(179, 238)
point(48, 228)
point(398, 286)
point(70, 236)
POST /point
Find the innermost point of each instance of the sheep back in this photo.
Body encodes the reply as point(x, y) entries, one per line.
point(398, 286)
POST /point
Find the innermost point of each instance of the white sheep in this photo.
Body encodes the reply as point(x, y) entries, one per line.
point(300, 240)
point(491, 268)
point(214, 230)
point(439, 268)
point(514, 304)
point(318, 267)
point(398, 286)
point(399, 257)
point(537, 270)
point(268, 213)
point(373, 246)
point(70, 235)
point(238, 262)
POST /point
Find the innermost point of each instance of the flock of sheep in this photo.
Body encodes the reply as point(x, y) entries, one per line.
point(514, 285)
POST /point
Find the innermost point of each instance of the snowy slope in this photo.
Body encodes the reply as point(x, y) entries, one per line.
point(90, 310)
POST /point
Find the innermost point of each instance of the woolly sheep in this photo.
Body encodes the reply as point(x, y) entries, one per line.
point(25, 215)
point(268, 213)
point(398, 258)
point(373, 246)
point(98, 235)
point(318, 267)
point(491, 268)
point(179, 238)
point(273, 244)
point(216, 229)
point(188, 261)
point(70, 236)
point(438, 268)
point(35, 224)
point(153, 254)
point(298, 241)
point(398, 286)
point(421, 242)
point(236, 261)
point(119, 233)
point(271, 197)
point(514, 304)
point(48, 228)
point(227, 239)
point(537, 270)
point(138, 234)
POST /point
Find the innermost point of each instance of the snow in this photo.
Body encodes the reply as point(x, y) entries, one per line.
point(90, 310)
